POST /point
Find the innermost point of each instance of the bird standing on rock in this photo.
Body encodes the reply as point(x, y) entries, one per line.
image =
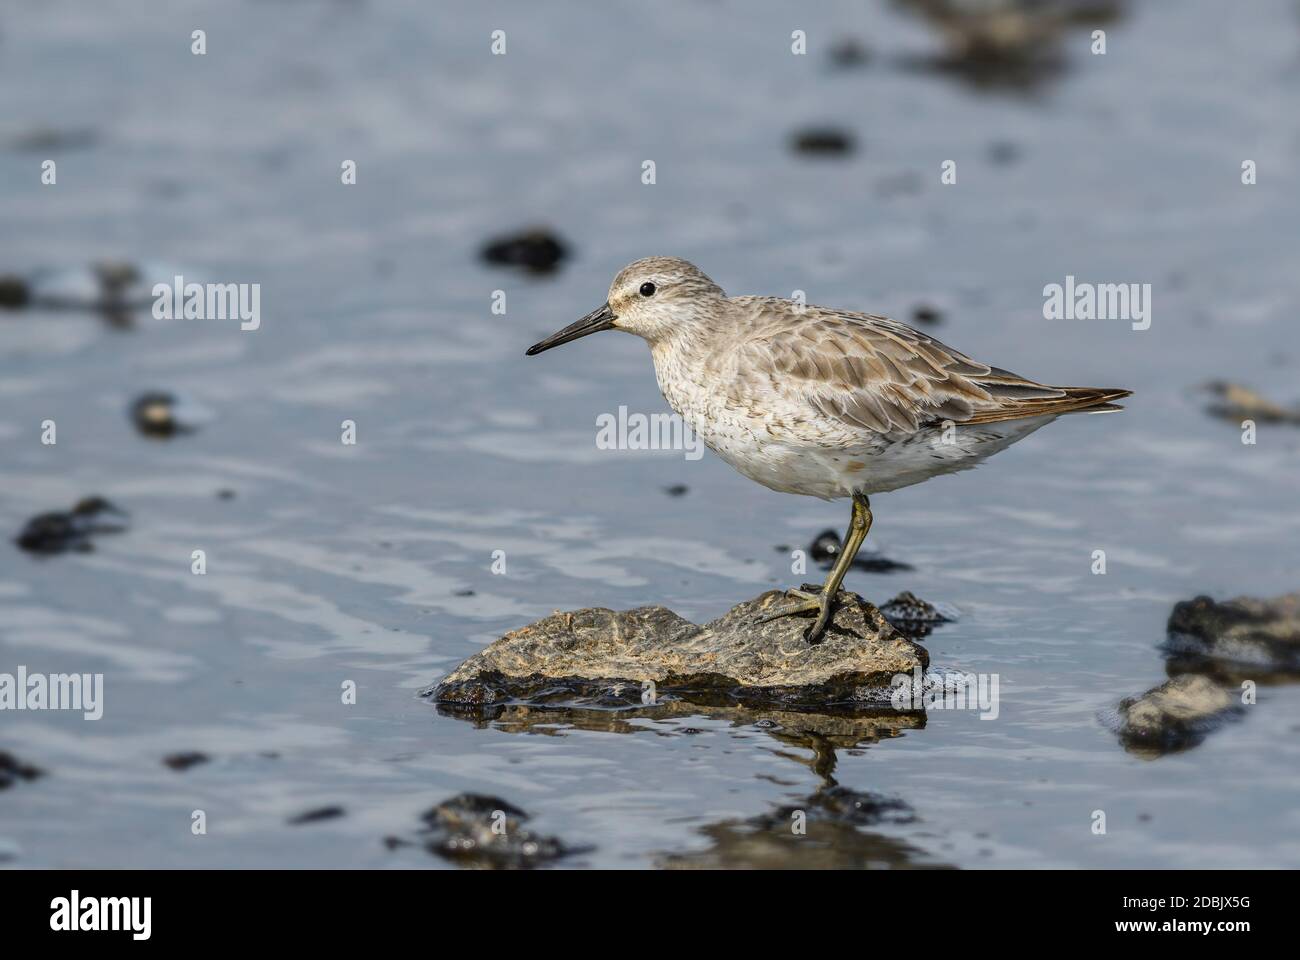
point(821, 402)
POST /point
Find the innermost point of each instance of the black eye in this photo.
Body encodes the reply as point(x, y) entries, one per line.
point(647, 289)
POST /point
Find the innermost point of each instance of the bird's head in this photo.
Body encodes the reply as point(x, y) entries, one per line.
point(652, 298)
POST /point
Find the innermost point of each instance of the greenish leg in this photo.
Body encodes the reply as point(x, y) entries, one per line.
point(824, 602)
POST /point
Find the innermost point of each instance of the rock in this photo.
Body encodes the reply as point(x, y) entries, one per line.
point(1235, 403)
point(51, 140)
point(735, 656)
point(14, 292)
point(997, 43)
point(825, 549)
point(914, 616)
point(1003, 153)
point(484, 832)
point(1176, 715)
point(317, 815)
point(926, 315)
point(58, 532)
point(183, 761)
point(1245, 630)
point(823, 141)
point(12, 770)
point(160, 414)
point(536, 250)
point(995, 32)
point(849, 52)
point(677, 490)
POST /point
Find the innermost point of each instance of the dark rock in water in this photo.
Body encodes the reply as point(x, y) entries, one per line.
point(1246, 630)
point(317, 815)
point(926, 315)
point(536, 250)
point(51, 533)
point(183, 761)
point(677, 490)
point(823, 831)
point(50, 140)
point(14, 292)
point(1002, 44)
point(823, 141)
point(12, 770)
point(1003, 152)
point(826, 547)
point(849, 52)
point(484, 832)
point(1176, 715)
point(652, 649)
point(160, 414)
point(1235, 403)
point(914, 616)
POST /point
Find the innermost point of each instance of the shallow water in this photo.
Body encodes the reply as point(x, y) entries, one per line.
point(338, 563)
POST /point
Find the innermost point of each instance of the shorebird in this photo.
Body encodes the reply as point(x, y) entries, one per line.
point(821, 402)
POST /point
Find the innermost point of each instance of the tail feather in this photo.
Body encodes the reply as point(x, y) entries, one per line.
point(1065, 400)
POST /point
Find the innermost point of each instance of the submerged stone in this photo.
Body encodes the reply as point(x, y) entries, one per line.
point(1176, 715)
point(824, 141)
point(537, 250)
point(60, 531)
point(14, 292)
point(926, 315)
point(317, 815)
point(638, 656)
point(12, 770)
point(485, 832)
point(161, 414)
point(849, 52)
point(183, 761)
point(825, 550)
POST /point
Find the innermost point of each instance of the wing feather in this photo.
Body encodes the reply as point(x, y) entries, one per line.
point(863, 372)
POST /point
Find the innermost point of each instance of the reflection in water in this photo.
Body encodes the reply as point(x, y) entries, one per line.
point(617, 709)
point(823, 830)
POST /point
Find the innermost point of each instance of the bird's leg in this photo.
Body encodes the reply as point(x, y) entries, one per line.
point(824, 602)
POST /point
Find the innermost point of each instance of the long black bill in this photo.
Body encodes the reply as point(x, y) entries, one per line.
point(594, 322)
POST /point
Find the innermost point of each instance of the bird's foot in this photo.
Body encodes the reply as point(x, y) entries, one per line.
point(807, 603)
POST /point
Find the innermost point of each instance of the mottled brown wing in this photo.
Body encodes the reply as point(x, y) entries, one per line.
point(873, 373)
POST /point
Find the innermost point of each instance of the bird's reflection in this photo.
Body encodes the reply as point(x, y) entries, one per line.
point(823, 829)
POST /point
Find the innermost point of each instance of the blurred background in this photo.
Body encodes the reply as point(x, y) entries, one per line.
point(775, 170)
